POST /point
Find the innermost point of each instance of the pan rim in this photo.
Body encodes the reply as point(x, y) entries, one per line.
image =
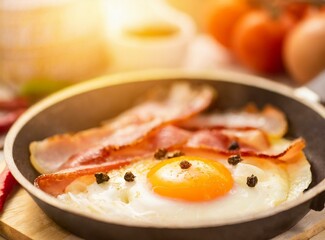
point(153, 75)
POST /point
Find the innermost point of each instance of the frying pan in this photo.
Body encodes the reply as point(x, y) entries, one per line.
point(87, 104)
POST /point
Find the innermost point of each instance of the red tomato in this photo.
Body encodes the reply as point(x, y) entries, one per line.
point(258, 40)
point(223, 18)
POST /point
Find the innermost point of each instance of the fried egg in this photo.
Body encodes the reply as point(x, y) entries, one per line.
point(190, 190)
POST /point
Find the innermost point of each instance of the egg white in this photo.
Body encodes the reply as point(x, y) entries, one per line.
point(135, 201)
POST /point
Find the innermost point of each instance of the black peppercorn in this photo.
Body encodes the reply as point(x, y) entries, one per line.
point(185, 164)
point(101, 177)
point(160, 154)
point(233, 146)
point(252, 181)
point(129, 177)
point(234, 159)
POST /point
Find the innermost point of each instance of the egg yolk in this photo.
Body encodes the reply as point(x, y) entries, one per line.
point(204, 180)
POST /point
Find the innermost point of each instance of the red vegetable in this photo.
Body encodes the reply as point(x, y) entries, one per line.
point(13, 104)
point(8, 118)
point(258, 40)
point(223, 18)
point(10, 110)
point(7, 183)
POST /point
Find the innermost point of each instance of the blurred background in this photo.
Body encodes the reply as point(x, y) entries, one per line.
point(46, 45)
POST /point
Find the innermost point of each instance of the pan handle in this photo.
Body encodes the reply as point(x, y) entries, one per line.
point(313, 90)
point(318, 202)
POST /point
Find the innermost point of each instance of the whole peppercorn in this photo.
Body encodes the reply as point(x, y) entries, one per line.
point(233, 146)
point(160, 154)
point(101, 177)
point(234, 159)
point(252, 181)
point(129, 177)
point(185, 164)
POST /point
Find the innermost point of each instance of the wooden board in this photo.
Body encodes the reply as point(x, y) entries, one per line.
point(23, 219)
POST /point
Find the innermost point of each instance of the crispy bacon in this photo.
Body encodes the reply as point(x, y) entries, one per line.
point(55, 183)
point(209, 140)
point(163, 106)
point(165, 137)
point(254, 139)
point(221, 139)
point(48, 155)
point(173, 137)
point(167, 105)
point(291, 151)
point(271, 120)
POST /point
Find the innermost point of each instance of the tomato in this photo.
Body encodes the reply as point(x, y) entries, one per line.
point(304, 48)
point(223, 18)
point(258, 39)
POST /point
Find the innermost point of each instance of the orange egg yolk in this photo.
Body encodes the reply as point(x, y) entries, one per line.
point(204, 180)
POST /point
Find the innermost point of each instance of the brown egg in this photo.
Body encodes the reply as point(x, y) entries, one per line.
point(304, 49)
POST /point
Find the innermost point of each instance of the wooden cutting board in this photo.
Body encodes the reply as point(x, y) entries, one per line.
point(23, 219)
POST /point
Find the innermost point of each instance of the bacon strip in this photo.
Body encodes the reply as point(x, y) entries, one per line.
point(252, 143)
point(55, 183)
point(221, 139)
point(253, 139)
point(209, 140)
point(169, 136)
point(163, 106)
point(165, 137)
point(49, 154)
point(271, 120)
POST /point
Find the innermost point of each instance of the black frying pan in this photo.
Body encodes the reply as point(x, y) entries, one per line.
point(86, 105)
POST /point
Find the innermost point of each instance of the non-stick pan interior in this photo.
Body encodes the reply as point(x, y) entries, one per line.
point(88, 109)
